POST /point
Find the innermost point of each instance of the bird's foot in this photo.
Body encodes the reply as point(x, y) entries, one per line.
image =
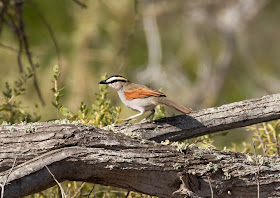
point(144, 120)
point(128, 119)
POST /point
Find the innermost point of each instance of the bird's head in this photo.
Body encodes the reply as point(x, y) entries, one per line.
point(116, 82)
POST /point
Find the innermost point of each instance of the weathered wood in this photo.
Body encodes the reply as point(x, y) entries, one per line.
point(99, 156)
point(229, 116)
point(84, 153)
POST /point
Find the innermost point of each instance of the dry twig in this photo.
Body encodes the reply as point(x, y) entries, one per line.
point(91, 190)
point(80, 3)
point(7, 177)
point(257, 173)
point(79, 190)
point(212, 195)
point(60, 187)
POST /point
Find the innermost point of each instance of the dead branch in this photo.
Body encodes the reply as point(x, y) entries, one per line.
point(51, 32)
point(83, 153)
point(99, 156)
point(202, 122)
point(23, 38)
point(11, 15)
point(81, 4)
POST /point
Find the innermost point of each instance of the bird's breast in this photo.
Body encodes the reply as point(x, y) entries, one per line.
point(139, 104)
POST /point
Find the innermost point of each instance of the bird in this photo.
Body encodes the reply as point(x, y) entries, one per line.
point(140, 97)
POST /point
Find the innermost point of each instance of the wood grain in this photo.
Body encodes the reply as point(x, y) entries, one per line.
point(121, 158)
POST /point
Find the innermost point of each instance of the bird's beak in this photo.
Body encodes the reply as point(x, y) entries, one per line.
point(103, 82)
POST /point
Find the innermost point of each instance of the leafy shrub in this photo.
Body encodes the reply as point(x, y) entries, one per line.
point(101, 113)
point(11, 108)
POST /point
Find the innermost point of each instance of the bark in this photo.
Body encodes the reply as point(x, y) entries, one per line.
point(229, 116)
point(84, 153)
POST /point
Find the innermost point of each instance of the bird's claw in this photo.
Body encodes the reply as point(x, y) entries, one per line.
point(127, 120)
point(144, 120)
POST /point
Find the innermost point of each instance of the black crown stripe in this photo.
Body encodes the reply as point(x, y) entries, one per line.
point(117, 80)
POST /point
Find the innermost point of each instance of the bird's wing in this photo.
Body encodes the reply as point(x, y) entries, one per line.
point(141, 93)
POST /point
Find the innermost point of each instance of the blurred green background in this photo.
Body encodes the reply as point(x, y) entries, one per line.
point(201, 53)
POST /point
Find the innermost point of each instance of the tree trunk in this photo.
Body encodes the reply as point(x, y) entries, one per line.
point(82, 153)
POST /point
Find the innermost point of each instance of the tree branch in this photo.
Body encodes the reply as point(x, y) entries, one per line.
point(206, 121)
point(84, 153)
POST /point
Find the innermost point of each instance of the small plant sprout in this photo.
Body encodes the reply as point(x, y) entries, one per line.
point(55, 90)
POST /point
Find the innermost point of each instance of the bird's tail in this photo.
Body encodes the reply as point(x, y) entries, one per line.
point(175, 105)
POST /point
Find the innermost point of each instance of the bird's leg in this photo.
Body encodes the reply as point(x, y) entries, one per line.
point(152, 113)
point(134, 116)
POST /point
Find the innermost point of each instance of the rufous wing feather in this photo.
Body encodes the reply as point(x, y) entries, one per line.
point(141, 93)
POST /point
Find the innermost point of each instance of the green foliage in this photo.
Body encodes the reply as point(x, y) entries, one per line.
point(159, 112)
point(11, 109)
point(205, 141)
point(243, 147)
point(55, 90)
point(101, 113)
point(75, 189)
point(266, 137)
